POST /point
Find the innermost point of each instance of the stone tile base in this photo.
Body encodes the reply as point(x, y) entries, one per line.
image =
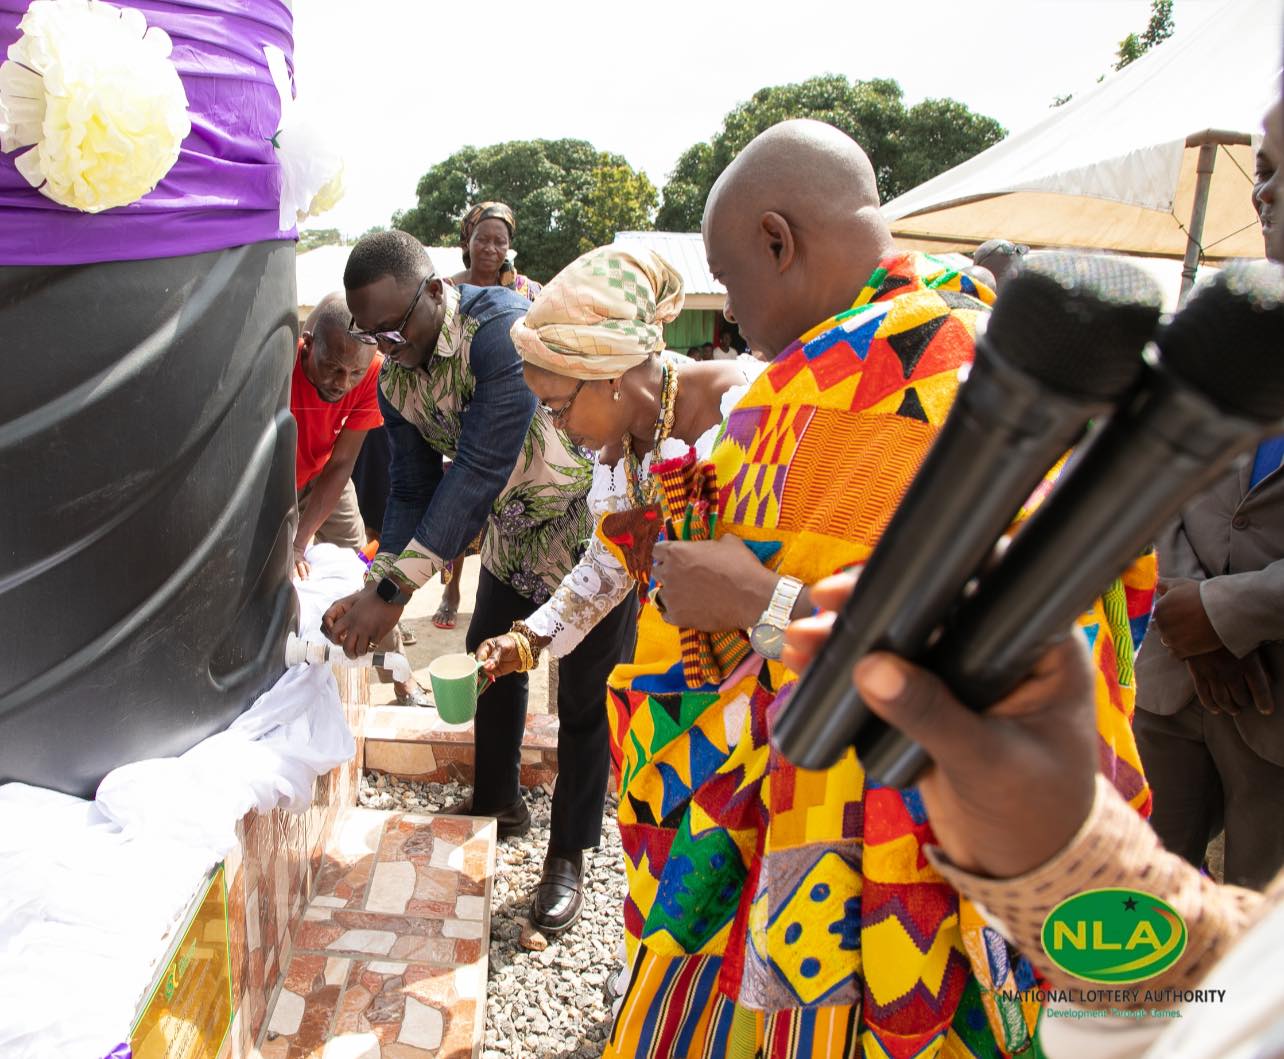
point(341, 1008)
point(390, 959)
point(415, 744)
point(271, 873)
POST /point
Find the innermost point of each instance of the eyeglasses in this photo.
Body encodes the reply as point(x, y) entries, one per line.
point(395, 337)
point(558, 415)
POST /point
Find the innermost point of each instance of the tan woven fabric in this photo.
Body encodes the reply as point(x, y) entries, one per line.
point(1116, 847)
point(603, 314)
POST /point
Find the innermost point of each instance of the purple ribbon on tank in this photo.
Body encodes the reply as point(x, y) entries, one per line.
point(225, 188)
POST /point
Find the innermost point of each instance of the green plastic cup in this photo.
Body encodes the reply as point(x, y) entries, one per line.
point(457, 680)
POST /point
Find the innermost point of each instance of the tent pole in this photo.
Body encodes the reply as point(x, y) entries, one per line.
point(1195, 233)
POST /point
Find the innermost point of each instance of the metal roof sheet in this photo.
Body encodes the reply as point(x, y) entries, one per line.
point(685, 252)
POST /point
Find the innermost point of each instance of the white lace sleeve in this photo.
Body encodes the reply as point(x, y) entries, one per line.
point(597, 584)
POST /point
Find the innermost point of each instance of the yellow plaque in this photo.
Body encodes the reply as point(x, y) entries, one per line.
point(190, 1011)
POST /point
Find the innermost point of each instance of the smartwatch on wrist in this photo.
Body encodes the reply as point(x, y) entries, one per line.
point(768, 636)
point(390, 591)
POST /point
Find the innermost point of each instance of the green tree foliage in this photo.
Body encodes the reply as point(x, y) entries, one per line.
point(1158, 30)
point(567, 195)
point(1135, 45)
point(907, 145)
point(688, 186)
point(311, 238)
point(936, 135)
point(619, 200)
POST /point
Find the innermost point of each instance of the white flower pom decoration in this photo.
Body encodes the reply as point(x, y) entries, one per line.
point(311, 168)
point(91, 90)
point(328, 197)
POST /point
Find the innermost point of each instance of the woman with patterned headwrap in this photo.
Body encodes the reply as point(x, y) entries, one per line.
point(593, 344)
point(485, 236)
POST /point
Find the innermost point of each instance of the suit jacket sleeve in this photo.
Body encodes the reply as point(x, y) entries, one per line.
point(1176, 556)
point(1246, 609)
point(493, 431)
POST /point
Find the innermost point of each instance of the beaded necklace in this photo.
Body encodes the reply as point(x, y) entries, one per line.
point(641, 494)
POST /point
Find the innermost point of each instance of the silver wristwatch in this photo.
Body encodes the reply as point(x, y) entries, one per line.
point(768, 636)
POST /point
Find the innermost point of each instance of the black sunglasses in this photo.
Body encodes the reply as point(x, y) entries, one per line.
point(395, 337)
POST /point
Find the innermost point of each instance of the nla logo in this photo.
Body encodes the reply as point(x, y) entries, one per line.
point(1114, 936)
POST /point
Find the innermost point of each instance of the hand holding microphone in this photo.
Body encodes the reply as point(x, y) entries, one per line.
point(1214, 388)
point(1012, 785)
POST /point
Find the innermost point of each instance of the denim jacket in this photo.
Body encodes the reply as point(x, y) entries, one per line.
point(513, 475)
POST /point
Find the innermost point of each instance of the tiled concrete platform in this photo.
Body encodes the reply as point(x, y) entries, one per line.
point(390, 960)
point(416, 744)
point(272, 871)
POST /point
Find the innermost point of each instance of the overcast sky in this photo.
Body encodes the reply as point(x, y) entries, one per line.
point(405, 83)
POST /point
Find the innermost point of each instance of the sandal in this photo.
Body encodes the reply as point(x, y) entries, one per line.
point(411, 697)
point(408, 638)
point(445, 616)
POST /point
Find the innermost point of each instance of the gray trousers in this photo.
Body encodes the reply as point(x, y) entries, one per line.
point(1206, 778)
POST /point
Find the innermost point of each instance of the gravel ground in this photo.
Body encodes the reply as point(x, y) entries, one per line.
point(548, 1003)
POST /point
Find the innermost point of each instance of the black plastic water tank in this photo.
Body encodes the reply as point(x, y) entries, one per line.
point(146, 499)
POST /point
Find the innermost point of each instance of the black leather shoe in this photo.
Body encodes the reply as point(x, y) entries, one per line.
point(512, 821)
point(559, 897)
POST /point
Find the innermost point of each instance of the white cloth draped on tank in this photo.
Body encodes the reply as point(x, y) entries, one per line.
point(89, 890)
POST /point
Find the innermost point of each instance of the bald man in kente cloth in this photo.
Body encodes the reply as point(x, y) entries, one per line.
point(773, 911)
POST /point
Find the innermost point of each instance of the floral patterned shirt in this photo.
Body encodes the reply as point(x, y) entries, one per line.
point(513, 474)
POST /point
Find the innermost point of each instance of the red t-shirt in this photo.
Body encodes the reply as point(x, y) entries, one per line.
point(319, 422)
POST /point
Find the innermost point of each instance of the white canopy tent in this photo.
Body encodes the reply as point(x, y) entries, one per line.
point(1157, 160)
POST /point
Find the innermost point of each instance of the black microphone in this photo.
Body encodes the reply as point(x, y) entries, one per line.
point(1215, 388)
point(1062, 345)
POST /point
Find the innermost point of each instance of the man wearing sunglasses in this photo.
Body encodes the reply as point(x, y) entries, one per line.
point(452, 386)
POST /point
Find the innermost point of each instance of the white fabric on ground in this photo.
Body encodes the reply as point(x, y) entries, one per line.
point(268, 758)
point(89, 891)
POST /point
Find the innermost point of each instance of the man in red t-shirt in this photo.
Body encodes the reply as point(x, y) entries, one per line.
point(334, 401)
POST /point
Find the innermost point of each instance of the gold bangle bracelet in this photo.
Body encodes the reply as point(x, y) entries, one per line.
point(525, 662)
point(534, 640)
